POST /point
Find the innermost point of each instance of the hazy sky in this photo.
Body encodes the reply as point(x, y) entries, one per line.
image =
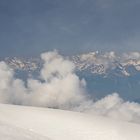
point(29, 27)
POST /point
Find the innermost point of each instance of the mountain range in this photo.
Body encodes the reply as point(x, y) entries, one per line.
point(126, 64)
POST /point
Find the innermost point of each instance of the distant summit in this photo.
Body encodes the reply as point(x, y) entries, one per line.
point(107, 63)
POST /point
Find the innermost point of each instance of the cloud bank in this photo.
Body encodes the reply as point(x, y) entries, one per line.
point(115, 107)
point(59, 87)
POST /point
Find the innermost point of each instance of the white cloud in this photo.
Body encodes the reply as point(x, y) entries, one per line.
point(61, 87)
point(115, 107)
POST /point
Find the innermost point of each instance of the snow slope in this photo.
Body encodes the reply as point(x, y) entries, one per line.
point(26, 123)
point(11, 132)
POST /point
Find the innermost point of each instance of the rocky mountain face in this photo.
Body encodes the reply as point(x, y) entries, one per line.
point(105, 64)
point(94, 62)
point(23, 64)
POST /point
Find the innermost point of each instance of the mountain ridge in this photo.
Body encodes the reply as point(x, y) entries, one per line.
point(93, 62)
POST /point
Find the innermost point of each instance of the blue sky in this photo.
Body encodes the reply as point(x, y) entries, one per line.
point(29, 27)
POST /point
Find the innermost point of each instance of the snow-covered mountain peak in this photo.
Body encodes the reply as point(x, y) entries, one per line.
point(93, 62)
point(102, 63)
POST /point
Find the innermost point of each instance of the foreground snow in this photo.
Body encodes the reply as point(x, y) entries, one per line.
point(10, 132)
point(30, 123)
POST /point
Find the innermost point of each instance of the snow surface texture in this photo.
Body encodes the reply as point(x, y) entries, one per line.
point(59, 87)
point(26, 123)
point(11, 132)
